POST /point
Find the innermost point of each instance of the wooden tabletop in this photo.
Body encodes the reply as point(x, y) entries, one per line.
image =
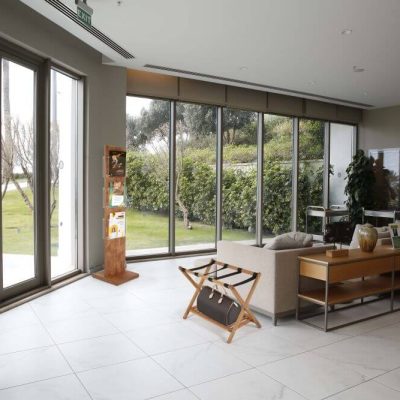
point(354, 256)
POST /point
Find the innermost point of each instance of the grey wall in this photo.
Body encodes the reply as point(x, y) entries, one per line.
point(380, 128)
point(106, 91)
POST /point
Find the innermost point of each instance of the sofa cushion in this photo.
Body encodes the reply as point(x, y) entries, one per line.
point(291, 240)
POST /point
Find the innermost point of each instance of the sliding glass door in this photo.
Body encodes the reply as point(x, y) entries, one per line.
point(63, 173)
point(41, 174)
point(18, 175)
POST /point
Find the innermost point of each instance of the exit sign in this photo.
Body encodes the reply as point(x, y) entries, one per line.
point(84, 16)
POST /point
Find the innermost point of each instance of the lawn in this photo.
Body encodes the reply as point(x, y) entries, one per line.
point(144, 230)
point(150, 230)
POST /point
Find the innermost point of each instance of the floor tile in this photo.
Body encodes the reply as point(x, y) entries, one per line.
point(72, 329)
point(367, 391)
point(200, 363)
point(62, 388)
point(249, 385)
point(305, 336)
point(121, 302)
point(141, 318)
point(391, 332)
point(373, 355)
point(261, 347)
point(18, 317)
point(31, 365)
point(165, 338)
point(139, 379)
point(99, 352)
point(313, 376)
point(28, 337)
point(179, 395)
point(391, 379)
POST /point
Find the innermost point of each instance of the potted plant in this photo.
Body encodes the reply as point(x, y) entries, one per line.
point(360, 186)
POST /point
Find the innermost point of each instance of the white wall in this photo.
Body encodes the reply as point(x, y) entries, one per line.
point(106, 91)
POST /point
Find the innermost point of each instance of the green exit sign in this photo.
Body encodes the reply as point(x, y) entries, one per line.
point(84, 16)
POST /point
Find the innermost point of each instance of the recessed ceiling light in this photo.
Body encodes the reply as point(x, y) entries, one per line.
point(312, 83)
point(243, 68)
point(347, 32)
point(358, 69)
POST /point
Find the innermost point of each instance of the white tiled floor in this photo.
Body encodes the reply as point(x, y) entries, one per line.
point(92, 341)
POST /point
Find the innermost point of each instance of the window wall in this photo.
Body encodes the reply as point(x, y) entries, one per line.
point(41, 152)
point(278, 169)
point(341, 150)
point(310, 180)
point(195, 177)
point(63, 173)
point(18, 138)
point(147, 136)
point(239, 175)
point(196, 174)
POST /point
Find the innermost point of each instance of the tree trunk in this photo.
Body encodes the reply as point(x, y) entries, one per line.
point(4, 191)
point(185, 212)
point(22, 193)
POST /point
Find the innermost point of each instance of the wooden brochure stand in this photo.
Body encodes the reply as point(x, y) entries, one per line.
point(114, 223)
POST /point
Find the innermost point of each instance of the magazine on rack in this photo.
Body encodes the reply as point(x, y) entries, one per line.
point(116, 225)
point(116, 163)
point(117, 193)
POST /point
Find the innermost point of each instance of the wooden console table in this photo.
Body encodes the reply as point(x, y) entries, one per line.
point(345, 279)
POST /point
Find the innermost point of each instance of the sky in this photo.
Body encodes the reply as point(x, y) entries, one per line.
point(134, 105)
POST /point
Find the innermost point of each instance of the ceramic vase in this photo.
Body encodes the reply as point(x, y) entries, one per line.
point(367, 238)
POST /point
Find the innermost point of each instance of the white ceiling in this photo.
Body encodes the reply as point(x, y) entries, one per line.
point(288, 44)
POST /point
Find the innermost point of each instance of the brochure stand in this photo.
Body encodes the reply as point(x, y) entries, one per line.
point(114, 223)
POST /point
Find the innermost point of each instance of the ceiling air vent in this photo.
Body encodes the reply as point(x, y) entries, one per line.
point(91, 29)
point(258, 85)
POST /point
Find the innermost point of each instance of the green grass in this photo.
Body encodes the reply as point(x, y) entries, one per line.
point(144, 230)
point(150, 230)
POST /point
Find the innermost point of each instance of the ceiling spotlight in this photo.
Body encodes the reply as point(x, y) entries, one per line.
point(358, 69)
point(312, 83)
point(244, 68)
point(347, 32)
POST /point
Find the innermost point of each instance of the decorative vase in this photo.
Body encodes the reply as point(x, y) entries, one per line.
point(367, 238)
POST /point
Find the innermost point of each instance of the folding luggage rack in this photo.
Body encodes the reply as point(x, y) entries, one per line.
point(210, 274)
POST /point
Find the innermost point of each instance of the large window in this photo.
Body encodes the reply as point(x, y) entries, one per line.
point(63, 173)
point(215, 181)
point(311, 172)
point(147, 130)
point(341, 151)
point(239, 187)
point(18, 138)
point(195, 175)
point(278, 163)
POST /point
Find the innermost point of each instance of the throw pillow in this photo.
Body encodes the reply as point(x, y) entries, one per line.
point(291, 240)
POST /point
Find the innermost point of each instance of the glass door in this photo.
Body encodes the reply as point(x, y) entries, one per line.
point(18, 205)
point(63, 173)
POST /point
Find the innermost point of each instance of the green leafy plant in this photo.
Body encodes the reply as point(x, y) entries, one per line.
point(360, 186)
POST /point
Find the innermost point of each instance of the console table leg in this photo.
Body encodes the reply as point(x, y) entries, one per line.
point(326, 301)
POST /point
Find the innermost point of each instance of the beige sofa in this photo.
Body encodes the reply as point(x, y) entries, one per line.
point(276, 294)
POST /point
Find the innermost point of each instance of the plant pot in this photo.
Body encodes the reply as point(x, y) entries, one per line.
point(367, 238)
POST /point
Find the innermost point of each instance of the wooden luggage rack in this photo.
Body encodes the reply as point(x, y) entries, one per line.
point(210, 274)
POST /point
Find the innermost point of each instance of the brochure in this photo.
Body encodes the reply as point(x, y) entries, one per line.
point(116, 225)
point(117, 193)
point(116, 163)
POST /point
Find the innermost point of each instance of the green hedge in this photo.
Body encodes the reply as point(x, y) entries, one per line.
point(147, 188)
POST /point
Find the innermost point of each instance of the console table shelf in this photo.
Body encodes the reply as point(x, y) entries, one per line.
point(347, 291)
point(356, 276)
